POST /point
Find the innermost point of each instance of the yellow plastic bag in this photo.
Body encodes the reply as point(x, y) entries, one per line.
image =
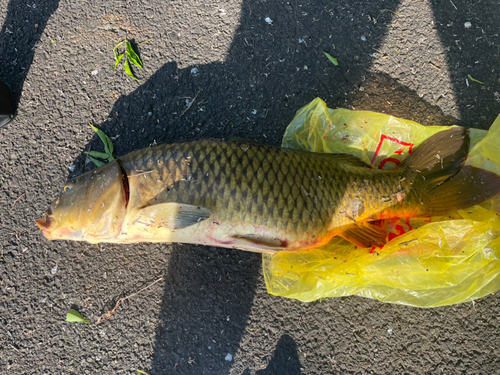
point(428, 262)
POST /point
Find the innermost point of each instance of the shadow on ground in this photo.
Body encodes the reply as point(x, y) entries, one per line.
point(20, 36)
point(285, 359)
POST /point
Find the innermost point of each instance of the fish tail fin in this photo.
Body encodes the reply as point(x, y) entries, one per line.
point(441, 183)
point(469, 186)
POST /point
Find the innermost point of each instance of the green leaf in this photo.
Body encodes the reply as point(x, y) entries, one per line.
point(331, 58)
point(132, 56)
point(97, 163)
point(74, 316)
point(108, 145)
point(116, 47)
point(475, 80)
point(126, 66)
point(118, 59)
point(97, 154)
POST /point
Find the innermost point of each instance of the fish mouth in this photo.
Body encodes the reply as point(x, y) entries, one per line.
point(46, 221)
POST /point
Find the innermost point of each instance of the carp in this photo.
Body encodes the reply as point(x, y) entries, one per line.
point(239, 194)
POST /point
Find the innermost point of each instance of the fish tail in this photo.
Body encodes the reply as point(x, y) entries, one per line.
point(441, 183)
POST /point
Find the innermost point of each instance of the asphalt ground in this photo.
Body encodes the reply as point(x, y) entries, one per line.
point(219, 69)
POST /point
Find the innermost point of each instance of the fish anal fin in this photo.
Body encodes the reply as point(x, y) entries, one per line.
point(365, 234)
point(270, 243)
point(174, 215)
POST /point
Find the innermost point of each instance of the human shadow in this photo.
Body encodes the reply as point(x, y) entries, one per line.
point(19, 40)
point(285, 359)
point(471, 50)
point(270, 72)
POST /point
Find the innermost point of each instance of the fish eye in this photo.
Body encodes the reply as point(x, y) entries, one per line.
point(67, 188)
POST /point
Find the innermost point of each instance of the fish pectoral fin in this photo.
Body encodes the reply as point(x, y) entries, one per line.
point(175, 215)
point(264, 243)
point(365, 234)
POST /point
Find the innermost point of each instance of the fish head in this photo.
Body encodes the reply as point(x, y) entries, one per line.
point(90, 207)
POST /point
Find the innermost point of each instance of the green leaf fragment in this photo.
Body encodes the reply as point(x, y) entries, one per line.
point(132, 56)
point(108, 145)
point(118, 59)
point(126, 66)
point(97, 163)
point(75, 316)
point(331, 58)
point(475, 80)
point(116, 47)
point(97, 154)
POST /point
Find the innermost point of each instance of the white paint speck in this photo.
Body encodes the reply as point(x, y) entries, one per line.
point(254, 112)
point(187, 102)
point(301, 41)
point(194, 71)
point(389, 331)
point(150, 114)
point(94, 72)
point(229, 357)
point(53, 270)
point(468, 25)
point(268, 20)
point(72, 168)
point(363, 38)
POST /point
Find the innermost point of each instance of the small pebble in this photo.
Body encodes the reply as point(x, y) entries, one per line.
point(54, 270)
point(468, 25)
point(268, 20)
point(229, 357)
point(194, 71)
point(389, 331)
point(150, 114)
point(254, 112)
point(94, 72)
point(363, 38)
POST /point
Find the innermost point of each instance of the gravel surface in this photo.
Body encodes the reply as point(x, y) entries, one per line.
point(220, 69)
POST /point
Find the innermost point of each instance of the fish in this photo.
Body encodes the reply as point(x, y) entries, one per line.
point(243, 195)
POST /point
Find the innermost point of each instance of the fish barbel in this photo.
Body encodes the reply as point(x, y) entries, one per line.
point(239, 194)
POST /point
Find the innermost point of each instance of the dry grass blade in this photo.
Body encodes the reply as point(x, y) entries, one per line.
point(107, 315)
point(190, 104)
point(17, 200)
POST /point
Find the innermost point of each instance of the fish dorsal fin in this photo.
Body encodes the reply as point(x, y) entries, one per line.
point(263, 243)
point(175, 215)
point(365, 234)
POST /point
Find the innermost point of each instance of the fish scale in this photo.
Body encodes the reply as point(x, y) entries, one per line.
point(242, 182)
